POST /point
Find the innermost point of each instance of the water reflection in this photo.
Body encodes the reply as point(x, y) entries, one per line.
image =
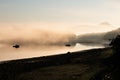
point(10, 53)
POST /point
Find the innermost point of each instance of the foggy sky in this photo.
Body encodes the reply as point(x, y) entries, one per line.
point(33, 37)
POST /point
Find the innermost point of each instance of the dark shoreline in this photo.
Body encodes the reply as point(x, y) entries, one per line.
point(48, 56)
point(12, 70)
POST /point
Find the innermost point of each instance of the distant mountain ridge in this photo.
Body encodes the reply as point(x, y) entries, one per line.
point(100, 38)
point(112, 34)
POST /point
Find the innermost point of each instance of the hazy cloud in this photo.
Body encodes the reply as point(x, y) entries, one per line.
point(33, 37)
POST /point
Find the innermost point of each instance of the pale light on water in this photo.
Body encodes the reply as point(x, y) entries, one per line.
point(10, 53)
point(34, 36)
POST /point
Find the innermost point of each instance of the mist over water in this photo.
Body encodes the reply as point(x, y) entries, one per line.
point(33, 37)
point(35, 42)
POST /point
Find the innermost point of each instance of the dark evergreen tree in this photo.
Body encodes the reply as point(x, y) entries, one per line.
point(115, 44)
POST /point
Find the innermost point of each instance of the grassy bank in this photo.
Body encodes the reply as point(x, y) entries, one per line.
point(81, 65)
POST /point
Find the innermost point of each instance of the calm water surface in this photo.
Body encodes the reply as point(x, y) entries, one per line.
point(10, 53)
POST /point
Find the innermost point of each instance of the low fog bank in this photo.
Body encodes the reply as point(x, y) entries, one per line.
point(31, 37)
point(90, 38)
point(97, 38)
point(34, 37)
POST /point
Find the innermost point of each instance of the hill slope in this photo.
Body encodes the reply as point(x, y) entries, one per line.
point(82, 65)
point(99, 38)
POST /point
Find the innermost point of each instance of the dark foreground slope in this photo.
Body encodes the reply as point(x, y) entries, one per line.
point(84, 65)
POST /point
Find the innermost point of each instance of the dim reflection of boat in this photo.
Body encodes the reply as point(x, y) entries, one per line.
point(68, 45)
point(16, 46)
